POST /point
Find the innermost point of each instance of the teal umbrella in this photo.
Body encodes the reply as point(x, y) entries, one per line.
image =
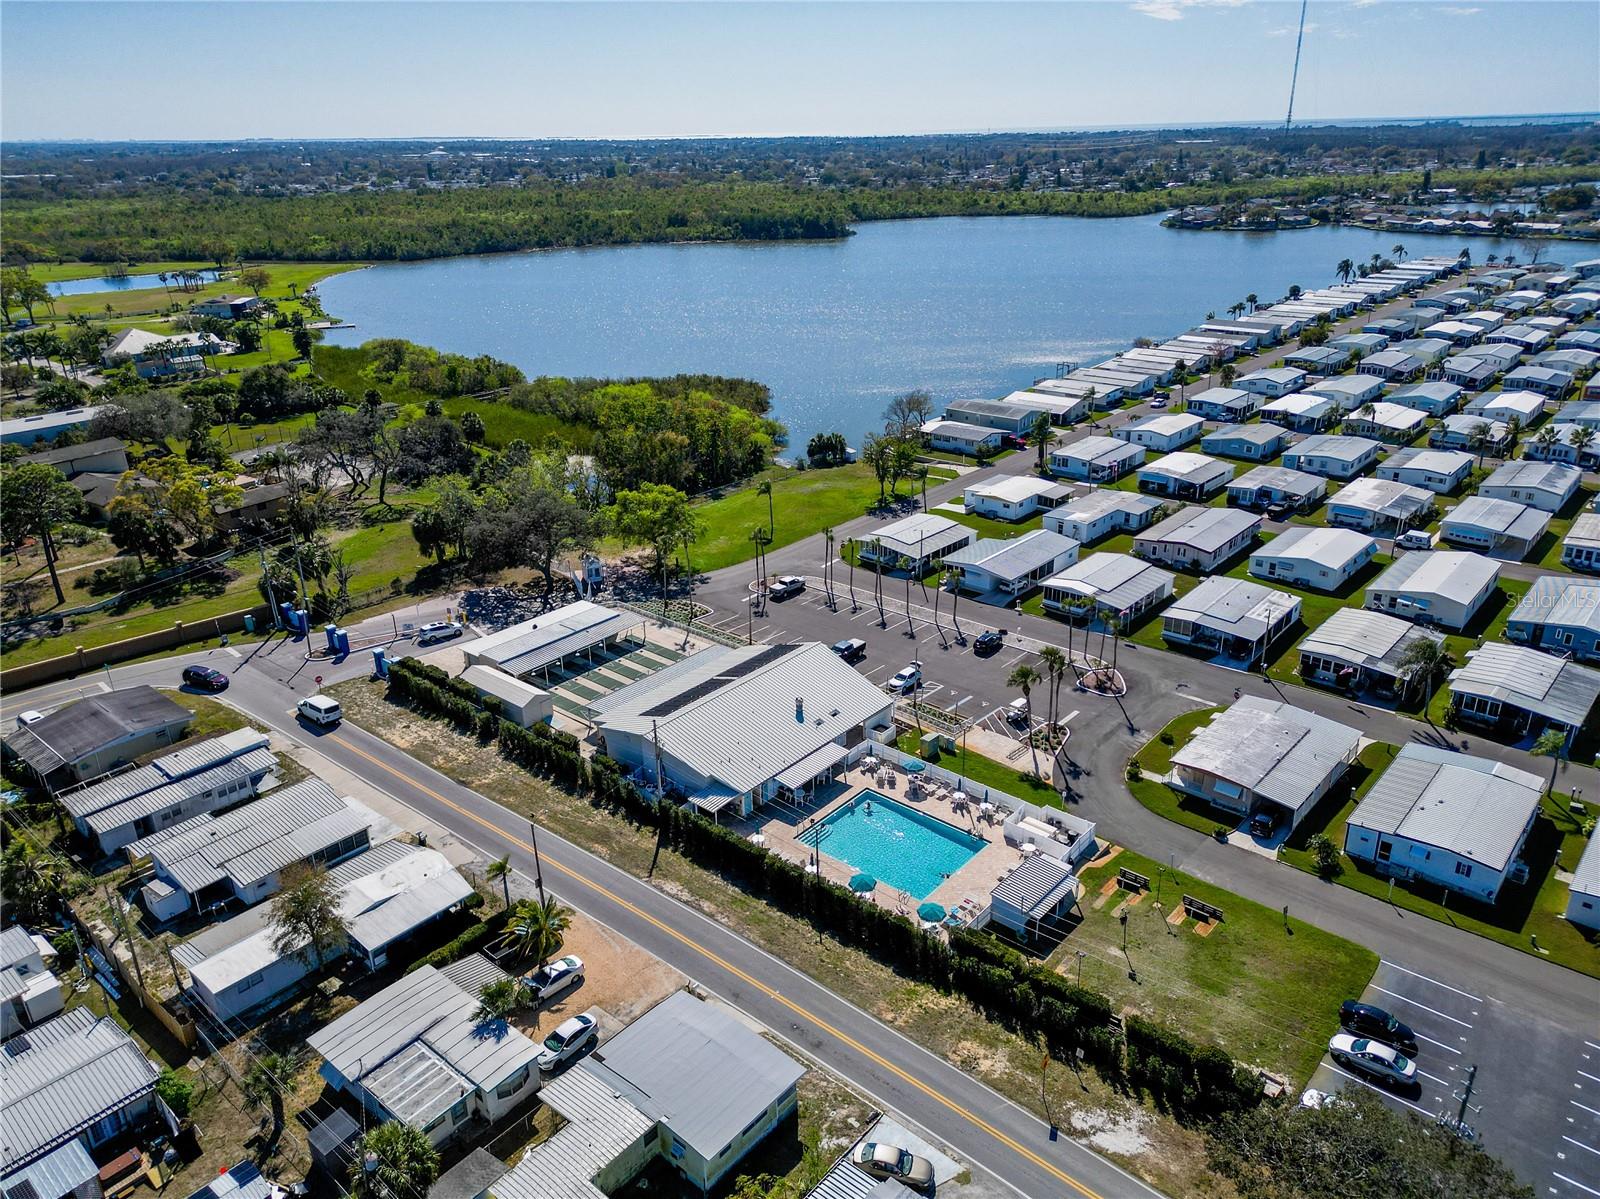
point(932, 912)
point(863, 883)
point(912, 766)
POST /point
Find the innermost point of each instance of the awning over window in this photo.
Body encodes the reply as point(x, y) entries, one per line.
point(713, 802)
point(816, 763)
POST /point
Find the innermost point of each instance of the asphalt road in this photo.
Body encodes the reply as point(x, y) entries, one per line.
point(982, 1127)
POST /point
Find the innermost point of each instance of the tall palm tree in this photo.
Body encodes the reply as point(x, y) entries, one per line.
point(500, 869)
point(1236, 309)
point(765, 488)
point(1345, 269)
point(1041, 431)
point(538, 929)
point(1023, 678)
point(1251, 300)
point(1546, 439)
point(1421, 662)
point(1478, 439)
point(1580, 439)
point(1552, 744)
point(1399, 252)
point(1055, 665)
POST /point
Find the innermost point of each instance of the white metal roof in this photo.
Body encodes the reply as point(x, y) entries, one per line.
point(1554, 688)
point(1585, 530)
point(1117, 581)
point(1333, 548)
point(1586, 876)
point(1473, 807)
point(1101, 500)
point(1333, 445)
point(416, 1041)
point(252, 765)
point(1364, 638)
point(1448, 574)
point(534, 644)
point(921, 534)
point(1553, 478)
point(599, 1126)
point(497, 683)
point(1014, 489)
point(1012, 557)
point(1561, 600)
point(62, 1076)
point(730, 714)
point(1507, 518)
point(1192, 468)
point(1098, 448)
point(1280, 752)
point(1204, 529)
point(1387, 497)
point(1036, 886)
point(1264, 434)
point(1235, 607)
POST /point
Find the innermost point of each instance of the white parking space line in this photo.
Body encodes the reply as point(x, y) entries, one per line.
point(1589, 1076)
point(1440, 1044)
point(1584, 1106)
point(1423, 1006)
point(873, 670)
point(930, 688)
point(1581, 1145)
point(1574, 1183)
point(1437, 983)
point(1592, 1045)
point(1441, 1081)
point(1338, 1069)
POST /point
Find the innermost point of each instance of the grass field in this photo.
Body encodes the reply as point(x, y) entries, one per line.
point(156, 300)
point(989, 773)
point(803, 503)
point(60, 272)
point(1264, 988)
point(503, 424)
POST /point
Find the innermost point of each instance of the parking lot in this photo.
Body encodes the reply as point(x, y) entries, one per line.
point(1535, 1099)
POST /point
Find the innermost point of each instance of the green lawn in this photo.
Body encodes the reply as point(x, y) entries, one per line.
point(60, 272)
point(986, 526)
point(503, 423)
point(155, 300)
point(987, 772)
point(1156, 757)
point(1264, 989)
point(803, 503)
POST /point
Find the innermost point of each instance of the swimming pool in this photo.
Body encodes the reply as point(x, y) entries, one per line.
point(901, 846)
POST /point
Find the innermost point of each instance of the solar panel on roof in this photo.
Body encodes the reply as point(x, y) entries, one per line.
point(23, 1190)
point(771, 654)
point(712, 685)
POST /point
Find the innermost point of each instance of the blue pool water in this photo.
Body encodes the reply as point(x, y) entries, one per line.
point(895, 844)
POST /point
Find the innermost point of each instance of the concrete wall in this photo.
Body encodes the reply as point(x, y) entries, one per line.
point(81, 659)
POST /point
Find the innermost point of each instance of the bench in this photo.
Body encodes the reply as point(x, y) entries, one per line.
point(1201, 910)
point(1132, 880)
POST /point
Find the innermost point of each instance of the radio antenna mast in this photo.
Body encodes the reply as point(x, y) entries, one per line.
point(1294, 78)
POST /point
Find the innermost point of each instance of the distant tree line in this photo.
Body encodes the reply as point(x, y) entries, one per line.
point(388, 226)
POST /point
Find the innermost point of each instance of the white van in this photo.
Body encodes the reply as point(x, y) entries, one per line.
point(320, 709)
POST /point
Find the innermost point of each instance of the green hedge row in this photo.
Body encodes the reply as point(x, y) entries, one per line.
point(467, 942)
point(418, 684)
point(997, 980)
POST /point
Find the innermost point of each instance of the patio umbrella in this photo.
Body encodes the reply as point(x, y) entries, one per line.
point(932, 912)
point(960, 797)
point(863, 884)
point(912, 766)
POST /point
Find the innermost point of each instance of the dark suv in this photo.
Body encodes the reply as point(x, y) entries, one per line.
point(989, 641)
point(1374, 1022)
point(204, 678)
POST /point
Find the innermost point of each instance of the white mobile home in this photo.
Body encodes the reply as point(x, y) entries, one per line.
point(1438, 471)
point(1165, 432)
point(1265, 486)
point(1100, 513)
point(1500, 528)
point(1257, 442)
point(1185, 476)
point(999, 570)
point(962, 437)
point(1435, 587)
point(1014, 497)
point(1095, 459)
point(1198, 539)
point(1312, 558)
point(1107, 586)
point(1332, 456)
point(1543, 485)
point(1379, 505)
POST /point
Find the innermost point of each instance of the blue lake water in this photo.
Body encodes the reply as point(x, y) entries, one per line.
point(895, 844)
point(965, 307)
point(86, 287)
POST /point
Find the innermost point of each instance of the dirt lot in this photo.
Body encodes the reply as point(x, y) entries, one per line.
point(619, 978)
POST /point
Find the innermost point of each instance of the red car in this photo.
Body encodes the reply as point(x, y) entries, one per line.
point(204, 678)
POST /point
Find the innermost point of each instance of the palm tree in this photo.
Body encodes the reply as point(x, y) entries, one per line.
point(1478, 439)
point(1251, 300)
point(1023, 678)
point(921, 476)
point(1579, 439)
point(497, 1000)
point(265, 1083)
point(1367, 411)
point(1055, 665)
point(539, 928)
point(1546, 439)
point(1345, 269)
point(1041, 431)
point(1399, 252)
point(1421, 662)
point(1235, 309)
point(396, 1161)
point(765, 488)
point(1227, 374)
point(1552, 744)
point(501, 869)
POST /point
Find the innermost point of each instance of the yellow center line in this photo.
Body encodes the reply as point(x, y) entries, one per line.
point(693, 945)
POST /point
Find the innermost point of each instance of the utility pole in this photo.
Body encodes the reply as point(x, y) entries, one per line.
point(538, 865)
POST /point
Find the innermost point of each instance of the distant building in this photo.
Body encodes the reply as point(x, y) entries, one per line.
point(164, 355)
point(45, 426)
point(227, 308)
point(105, 455)
point(1163, 432)
point(962, 437)
point(1230, 404)
point(1014, 420)
point(1273, 383)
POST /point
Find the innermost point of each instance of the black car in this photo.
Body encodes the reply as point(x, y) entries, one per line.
point(1378, 1024)
point(1263, 823)
point(989, 641)
point(204, 678)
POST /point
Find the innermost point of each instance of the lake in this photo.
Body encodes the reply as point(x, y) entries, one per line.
point(87, 287)
point(964, 307)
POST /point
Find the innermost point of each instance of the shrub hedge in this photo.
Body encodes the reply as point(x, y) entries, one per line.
point(1025, 996)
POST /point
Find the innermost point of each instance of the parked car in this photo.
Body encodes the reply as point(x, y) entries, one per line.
point(786, 586)
point(1280, 511)
point(851, 649)
point(891, 1161)
point(552, 978)
point(1263, 822)
point(204, 678)
point(1415, 539)
point(439, 630)
point(1384, 1063)
point(1018, 711)
point(988, 641)
point(570, 1038)
point(1159, 402)
point(1369, 1020)
point(905, 679)
point(320, 709)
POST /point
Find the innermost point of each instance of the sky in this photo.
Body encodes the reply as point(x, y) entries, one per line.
point(375, 68)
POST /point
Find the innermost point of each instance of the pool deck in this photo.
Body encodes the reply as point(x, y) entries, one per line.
point(781, 829)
